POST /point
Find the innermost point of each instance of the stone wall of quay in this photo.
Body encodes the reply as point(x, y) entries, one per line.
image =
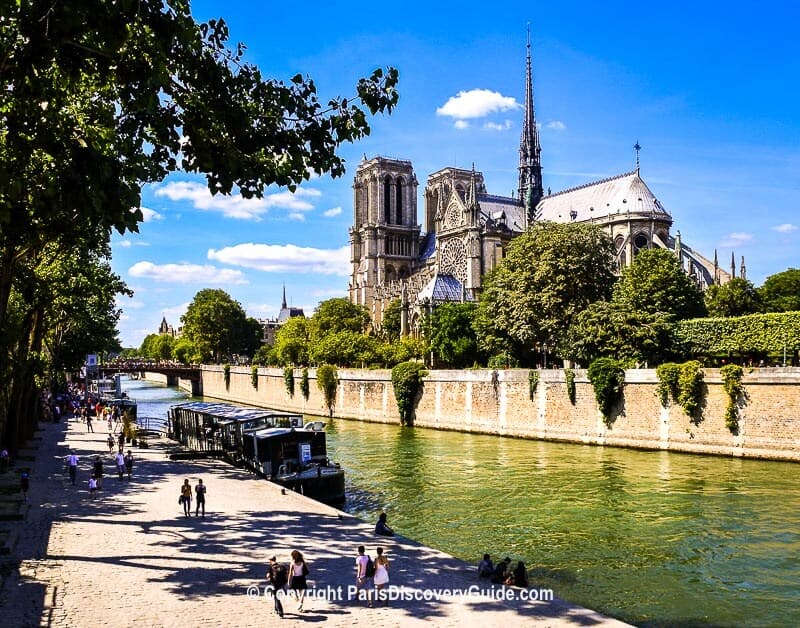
point(498, 402)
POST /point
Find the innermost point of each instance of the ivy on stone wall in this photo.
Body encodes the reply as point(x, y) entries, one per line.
point(226, 374)
point(533, 382)
point(288, 380)
point(407, 384)
point(328, 382)
point(608, 379)
point(304, 384)
point(668, 375)
point(690, 388)
point(254, 376)
point(569, 378)
point(753, 335)
point(732, 383)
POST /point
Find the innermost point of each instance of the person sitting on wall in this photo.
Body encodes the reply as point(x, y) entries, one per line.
point(485, 567)
point(521, 575)
point(382, 528)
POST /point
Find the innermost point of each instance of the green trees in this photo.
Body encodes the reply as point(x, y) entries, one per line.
point(738, 297)
point(781, 292)
point(215, 320)
point(291, 342)
point(656, 283)
point(453, 340)
point(550, 273)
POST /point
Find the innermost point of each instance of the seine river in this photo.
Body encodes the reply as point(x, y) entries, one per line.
point(652, 538)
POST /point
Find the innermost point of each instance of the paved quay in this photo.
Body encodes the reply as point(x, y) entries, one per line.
point(129, 557)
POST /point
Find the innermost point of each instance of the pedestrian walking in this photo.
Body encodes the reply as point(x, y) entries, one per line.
point(89, 427)
point(365, 571)
point(186, 498)
point(120, 460)
point(129, 463)
point(72, 466)
point(276, 582)
point(24, 484)
point(110, 442)
point(298, 572)
point(200, 495)
point(121, 440)
point(381, 576)
point(98, 472)
point(92, 487)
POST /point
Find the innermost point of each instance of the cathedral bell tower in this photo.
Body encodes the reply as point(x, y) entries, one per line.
point(530, 151)
point(384, 238)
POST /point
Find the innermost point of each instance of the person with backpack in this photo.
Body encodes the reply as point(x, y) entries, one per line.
point(277, 578)
point(365, 572)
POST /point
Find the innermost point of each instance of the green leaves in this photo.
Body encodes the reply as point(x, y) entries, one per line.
point(215, 320)
point(407, 384)
point(608, 379)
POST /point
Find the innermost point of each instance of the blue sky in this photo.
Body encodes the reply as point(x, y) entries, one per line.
point(709, 89)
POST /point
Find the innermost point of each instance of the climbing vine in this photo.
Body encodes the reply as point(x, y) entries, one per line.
point(407, 384)
point(304, 384)
point(690, 388)
point(254, 375)
point(226, 374)
point(533, 382)
point(328, 382)
point(569, 378)
point(608, 378)
point(732, 383)
point(288, 380)
point(668, 374)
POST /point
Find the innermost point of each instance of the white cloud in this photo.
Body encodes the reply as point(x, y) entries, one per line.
point(333, 211)
point(785, 228)
point(329, 293)
point(235, 205)
point(150, 214)
point(461, 124)
point(175, 312)
point(128, 303)
point(476, 103)
point(285, 258)
point(556, 125)
point(738, 238)
point(296, 216)
point(261, 310)
point(124, 243)
point(495, 126)
point(186, 273)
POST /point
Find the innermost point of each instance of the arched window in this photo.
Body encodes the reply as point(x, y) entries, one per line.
point(387, 200)
point(640, 242)
point(399, 201)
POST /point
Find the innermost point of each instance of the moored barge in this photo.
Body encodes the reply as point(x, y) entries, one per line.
point(276, 445)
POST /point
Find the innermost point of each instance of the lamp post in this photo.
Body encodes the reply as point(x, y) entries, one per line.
point(784, 349)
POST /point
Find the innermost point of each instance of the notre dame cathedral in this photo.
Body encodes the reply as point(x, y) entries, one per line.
point(465, 230)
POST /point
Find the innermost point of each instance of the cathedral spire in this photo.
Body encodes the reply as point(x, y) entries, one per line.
point(530, 166)
point(743, 270)
point(283, 302)
point(733, 264)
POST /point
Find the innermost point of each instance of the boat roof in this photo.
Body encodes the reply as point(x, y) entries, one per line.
point(274, 431)
point(233, 413)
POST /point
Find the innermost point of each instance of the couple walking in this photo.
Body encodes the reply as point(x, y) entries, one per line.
point(186, 498)
point(369, 573)
point(278, 577)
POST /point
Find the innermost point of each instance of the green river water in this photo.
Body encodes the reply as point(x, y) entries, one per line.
point(652, 538)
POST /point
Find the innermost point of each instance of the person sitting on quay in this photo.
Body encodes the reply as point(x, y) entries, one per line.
point(485, 567)
point(382, 527)
point(501, 571)
point(518, 577)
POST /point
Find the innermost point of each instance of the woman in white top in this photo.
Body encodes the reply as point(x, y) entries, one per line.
point(298, 571)
point(381, 576)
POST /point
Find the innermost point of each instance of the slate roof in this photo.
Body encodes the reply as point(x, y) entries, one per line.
point(443, 288)
point(493, 207)
point(428, 246)
point(615, 195)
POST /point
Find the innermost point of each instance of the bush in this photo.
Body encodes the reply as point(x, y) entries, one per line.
point(608, 378)
point(668, 374)
point(732, 383)
point(569, 378)
point(304, 384)
point(226, 374)
point(407, 384)
point(690, 384)
point(288, 380)
point(533, 382)
point(503, 360)
point(254, 376)
point(328, 382)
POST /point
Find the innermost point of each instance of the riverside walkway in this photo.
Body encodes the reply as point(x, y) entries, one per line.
point(129, 557)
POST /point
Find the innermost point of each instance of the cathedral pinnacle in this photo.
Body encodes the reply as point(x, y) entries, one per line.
point(283, 302)
point(530, 166)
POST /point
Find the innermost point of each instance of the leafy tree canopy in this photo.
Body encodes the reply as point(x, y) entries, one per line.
point(781, 292)
point(453, 339)
point(336, 315)
point(291, 342)
point(214, 319)
point(390, 326)
point(655, 282)
point(738, 297)
point(549, 274)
